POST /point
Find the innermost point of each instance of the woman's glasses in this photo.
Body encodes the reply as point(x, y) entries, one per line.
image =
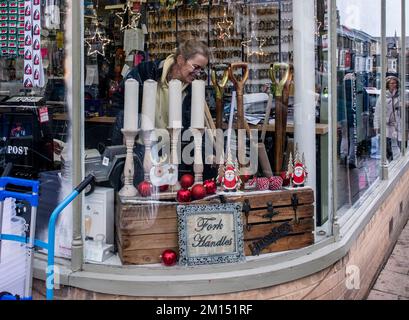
point(196, 68)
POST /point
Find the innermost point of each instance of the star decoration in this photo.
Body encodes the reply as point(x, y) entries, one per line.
point(224, 27)
point(171, 170)
point(249, 45)
point(134, 17)
point(96, 41)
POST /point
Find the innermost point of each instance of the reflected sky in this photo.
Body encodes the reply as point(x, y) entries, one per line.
point(365, 15)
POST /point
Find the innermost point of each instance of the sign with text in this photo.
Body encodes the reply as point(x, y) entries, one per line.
point(210, 234)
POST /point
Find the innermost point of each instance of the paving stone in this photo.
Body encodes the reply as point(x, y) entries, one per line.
point(398, 264)
point(401, 249)
point(394, 283)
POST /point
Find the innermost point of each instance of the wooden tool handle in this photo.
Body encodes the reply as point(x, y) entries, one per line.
point(209, 118)
point(239, 84)
point(240, 112)
point(281, 122)
point(219, 89)
point(219, 113)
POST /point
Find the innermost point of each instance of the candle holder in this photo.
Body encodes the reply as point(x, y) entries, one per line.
point(129, 189)
point(174, 155)
point(147, 161)
point(198, 166)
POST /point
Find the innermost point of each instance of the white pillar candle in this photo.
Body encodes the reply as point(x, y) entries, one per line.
point(131, 105)
point(175, 104)
point(198, 104)
point(149, 105)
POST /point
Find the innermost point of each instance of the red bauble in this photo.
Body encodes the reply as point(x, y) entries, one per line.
point(145, 189)
point(198, 192)
point(211, 187)
point(246, 178)
point(187, 181)
point(286, 181)
point(184, 196)
point(164, 188)
point(169, 258)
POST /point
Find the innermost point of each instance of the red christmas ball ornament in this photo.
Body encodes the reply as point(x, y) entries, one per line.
point(187, 181)
point(169, 258)
point(246, 177)
point(286, 181)
point(164, 188)
point(145, 189)
point(184, 196)
point(198, 192)
point(210, 186)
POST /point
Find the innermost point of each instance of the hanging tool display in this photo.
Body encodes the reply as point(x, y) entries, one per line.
point(281, 76)
point(219, 87)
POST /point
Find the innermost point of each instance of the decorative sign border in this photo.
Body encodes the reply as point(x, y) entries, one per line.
point(185, 211)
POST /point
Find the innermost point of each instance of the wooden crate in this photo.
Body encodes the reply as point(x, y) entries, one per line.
point(144, 231)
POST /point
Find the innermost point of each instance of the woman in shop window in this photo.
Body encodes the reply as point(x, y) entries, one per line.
point(186, 65)
point(393, 115)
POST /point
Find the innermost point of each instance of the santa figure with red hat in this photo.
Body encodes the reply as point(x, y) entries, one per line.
point(299, 173)
point(231, 179)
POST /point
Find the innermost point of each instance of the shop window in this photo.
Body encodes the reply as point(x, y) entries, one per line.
point(394, 128)
point(322, 112)
point(133, 39)
point(34, 123)
point(358, 90)
point(406, 52)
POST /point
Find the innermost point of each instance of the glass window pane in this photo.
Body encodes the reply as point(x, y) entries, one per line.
point(37, 140)
point(393, 101)
point(322, 110)
point(407, 73)
point(259, 33)
point(358, 89)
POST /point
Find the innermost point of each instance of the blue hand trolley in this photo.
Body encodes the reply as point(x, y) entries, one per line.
point(31, 242)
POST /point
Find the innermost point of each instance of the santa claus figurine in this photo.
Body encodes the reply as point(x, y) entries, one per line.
point(231, 179)
point(299, 174)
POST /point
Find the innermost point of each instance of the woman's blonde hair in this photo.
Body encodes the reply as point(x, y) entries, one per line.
point(389, 79)
point(190, 48)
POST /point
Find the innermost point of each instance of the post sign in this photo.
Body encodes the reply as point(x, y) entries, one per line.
point(210, 234)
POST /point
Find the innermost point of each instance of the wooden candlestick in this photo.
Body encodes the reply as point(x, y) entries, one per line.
point(129, 189)
point(198, 166)
point(174, 154)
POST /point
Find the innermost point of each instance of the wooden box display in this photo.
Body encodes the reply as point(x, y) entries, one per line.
point(273, 222)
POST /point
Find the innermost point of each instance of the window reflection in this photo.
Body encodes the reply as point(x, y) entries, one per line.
point(358, 89)
point(393, 94)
